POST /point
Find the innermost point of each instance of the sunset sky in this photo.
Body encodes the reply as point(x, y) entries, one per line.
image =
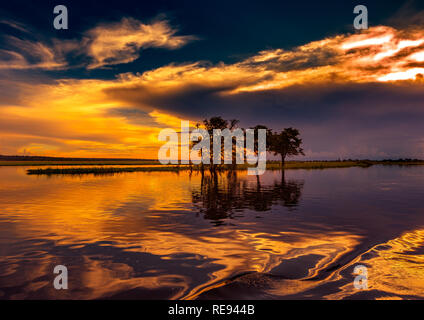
point(123, 71)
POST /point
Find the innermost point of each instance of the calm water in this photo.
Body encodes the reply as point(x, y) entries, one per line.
point(164, 235)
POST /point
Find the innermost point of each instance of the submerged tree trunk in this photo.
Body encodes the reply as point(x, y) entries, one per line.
point(283, 162)
point(201, 162)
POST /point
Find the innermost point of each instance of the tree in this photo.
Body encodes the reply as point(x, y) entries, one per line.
point(286, 143)
point(256, 144)
point(256, 138)
point(217, 123)
point(192, 143)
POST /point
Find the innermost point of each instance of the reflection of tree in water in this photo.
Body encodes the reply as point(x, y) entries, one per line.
point(221, 196)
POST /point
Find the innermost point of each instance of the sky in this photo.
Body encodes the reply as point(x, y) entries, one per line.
point(125, 70)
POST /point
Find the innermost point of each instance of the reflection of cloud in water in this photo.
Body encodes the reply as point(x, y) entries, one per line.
point(167, 235)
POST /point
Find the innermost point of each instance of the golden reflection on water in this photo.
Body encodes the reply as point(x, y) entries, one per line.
point(395, 268)
point(82, 208)
point(154, 235)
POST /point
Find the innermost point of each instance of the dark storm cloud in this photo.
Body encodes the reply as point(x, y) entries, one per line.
point(133, 115)
point(347, 120)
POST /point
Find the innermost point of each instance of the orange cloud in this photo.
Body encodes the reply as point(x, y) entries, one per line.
point(121, 42)
point(106, 44)
point(42, 56)
point(71, 118)
point(378, 54)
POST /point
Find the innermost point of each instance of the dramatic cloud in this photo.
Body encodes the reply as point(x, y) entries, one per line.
point(379, 54)
point(26, 54)
point(75, 118)
point(121, 42)
point(104, 45)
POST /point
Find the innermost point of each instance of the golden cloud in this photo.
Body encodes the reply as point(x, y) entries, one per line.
point(41, 55)
point(375, 55)
point(106, 44)
point(116, 43)
point(70, 118)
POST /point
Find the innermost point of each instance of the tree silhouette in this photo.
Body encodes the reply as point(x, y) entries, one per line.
point(222, 124)
point(286, 143)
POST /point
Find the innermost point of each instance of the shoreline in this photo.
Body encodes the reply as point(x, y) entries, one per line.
point(102, 168)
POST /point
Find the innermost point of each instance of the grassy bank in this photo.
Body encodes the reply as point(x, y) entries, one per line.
point(101, 170)
point(316, 164)
point(272, 165)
